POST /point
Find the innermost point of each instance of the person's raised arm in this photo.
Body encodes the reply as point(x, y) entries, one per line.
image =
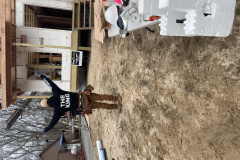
point(55, 89)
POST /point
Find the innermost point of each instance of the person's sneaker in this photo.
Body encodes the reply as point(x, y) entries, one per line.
point(119, 98)
point(119, 108)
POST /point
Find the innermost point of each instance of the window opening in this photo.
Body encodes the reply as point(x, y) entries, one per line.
point(49, 64)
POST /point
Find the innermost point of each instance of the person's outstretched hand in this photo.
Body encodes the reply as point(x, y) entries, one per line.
point(40, 134)
point(37, 73)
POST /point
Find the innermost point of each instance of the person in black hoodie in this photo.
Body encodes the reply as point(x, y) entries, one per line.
point(63, 101)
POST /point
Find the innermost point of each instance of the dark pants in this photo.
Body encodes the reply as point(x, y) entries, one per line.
point(89, 101)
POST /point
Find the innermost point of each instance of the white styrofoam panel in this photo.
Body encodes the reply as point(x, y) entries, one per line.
point(69, 42)
point(61, 4)
point(67, 75)
point(22, 71)
point(149, 7)
point(163, 4)
point(31, 32)
point(20, 18)
point(20, 49)
point(36, 2)
point(33, 40)
point(61, 38)
point(48, 3)
point(69, 5)
point(55, 4)
point(19, 7)
point(62, 42)
point(61, 34)
point(51, 37)
point(37, 49)
point(68, 38)
point(21, 84)
point(44, 33)
point(21, 31)
point(218, 23)
point(52, 34)
point(53, 42)
point(21, 58)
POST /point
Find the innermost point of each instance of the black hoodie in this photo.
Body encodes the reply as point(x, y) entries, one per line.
point(61, 101)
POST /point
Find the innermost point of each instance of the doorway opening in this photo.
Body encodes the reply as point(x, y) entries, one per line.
point(44, 17)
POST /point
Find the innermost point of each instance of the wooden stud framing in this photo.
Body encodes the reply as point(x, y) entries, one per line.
point(15, 93)
point(26, 15)
point(38, 56)
point(77, 15)
point(43, 46)
point(84, 14)
point(50, 60)
point(30, 18)
point(6, 52)
point(73, 86)
point(33, 97)
point(90, 14)
point(44, 66)
point(49, 46)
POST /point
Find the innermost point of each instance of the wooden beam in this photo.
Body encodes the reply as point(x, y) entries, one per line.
point(32, 18)
point(18, 112)
point(75, 40)
point(54, 21)
point(79, 15)
point(74, 78)
point(15, 93)
point(29, 17)
point(44, 66)
point(57, 58)
point(13, 76)
point(75, 15)
point(0, 64)
point(13, 37)
point(61, 47)
point(79, 48)
point(13, 118)
point(40, 46)
point(33, 97)
point(90, 14)
point(45, 56)
point(38, 60)
point(84, 14)
point(56, 18)
point(6, 52)
point(26, 17)
point(50, 58)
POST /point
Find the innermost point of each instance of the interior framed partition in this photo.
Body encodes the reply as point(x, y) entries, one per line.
point(44, 17)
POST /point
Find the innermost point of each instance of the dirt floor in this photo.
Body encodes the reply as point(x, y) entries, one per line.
point(180, 96)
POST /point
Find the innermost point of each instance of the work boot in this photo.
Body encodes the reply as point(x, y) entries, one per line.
point(119, 98)
point(119, 108)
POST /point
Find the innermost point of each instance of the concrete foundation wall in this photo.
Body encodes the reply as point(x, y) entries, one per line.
point(50, 37)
